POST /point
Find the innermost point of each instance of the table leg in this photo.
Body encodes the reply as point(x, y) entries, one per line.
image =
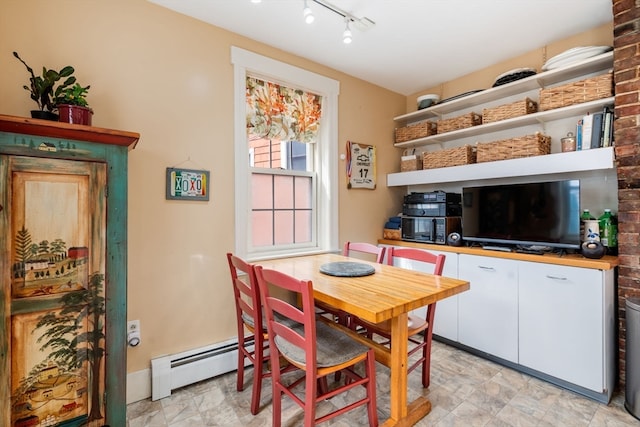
point(398, 368)
point(402, 413)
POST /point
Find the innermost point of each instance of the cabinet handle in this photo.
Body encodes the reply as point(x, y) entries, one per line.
point(482, 267)
point(555, 277)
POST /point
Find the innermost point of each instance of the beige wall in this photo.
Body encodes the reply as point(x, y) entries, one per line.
point(169, 78)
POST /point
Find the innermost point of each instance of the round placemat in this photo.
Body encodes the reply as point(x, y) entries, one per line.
point(347, 269)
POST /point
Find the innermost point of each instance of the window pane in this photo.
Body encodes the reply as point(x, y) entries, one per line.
point(261, 191)
point(303, 226)
point(303, 187)
point(283, 192)
point(283, 227)
point(262, 227)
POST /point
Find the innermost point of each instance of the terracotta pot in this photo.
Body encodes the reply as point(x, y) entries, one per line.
point(75, 114)
point(44, 115)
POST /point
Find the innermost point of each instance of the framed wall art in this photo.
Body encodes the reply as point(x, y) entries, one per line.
point(187, 184)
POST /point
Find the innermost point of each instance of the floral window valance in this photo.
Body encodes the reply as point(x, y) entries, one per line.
point(275, 111)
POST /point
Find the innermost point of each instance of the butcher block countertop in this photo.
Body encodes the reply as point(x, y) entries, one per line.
point(607, 262)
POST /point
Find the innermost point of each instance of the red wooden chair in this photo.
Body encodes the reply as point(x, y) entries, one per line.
point(249, 317)
point(313, 347)
point(353, 249)
point(417, 325)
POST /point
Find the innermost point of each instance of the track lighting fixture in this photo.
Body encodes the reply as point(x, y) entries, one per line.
point(307, 13)
point(347, 37)
point(360, 24)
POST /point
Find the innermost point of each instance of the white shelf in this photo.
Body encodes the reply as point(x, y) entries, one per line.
point(574, 161)
point(541, 80)
point(526, 120)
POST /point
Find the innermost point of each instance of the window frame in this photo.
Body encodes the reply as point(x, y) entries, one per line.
point(325, 159)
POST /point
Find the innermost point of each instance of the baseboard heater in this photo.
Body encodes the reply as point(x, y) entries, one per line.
point(178, 370)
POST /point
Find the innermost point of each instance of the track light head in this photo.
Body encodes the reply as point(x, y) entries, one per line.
point(308, 13)
point(347, 37)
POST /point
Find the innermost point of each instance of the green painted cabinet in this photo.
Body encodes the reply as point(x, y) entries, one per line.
point(63, 273)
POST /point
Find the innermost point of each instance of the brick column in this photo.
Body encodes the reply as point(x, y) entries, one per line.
point(626, 67)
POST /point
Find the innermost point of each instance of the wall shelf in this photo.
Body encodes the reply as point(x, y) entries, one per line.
point(573, 161)
point(539, 81)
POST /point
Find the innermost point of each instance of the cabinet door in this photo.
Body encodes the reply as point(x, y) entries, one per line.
point(52, 298)
point(561, 322)
point(488, 312)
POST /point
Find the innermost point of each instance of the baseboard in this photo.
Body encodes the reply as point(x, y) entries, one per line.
point(138, 385)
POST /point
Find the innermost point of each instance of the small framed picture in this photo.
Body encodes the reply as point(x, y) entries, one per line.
point(187, 184)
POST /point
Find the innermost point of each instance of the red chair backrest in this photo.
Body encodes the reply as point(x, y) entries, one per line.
point(417, 255)
point(279, 326)
point(246, 292)
point(366, 248)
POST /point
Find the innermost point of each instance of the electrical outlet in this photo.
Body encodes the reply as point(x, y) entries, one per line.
point(133, 333)
point(133, 326)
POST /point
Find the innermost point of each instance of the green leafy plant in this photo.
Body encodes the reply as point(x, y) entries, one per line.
point(42, 87)
point(72, 95)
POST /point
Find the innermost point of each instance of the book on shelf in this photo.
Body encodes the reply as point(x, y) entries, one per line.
point(607, 127)
point(579, 135)
point(587, 129)
point(596, 130)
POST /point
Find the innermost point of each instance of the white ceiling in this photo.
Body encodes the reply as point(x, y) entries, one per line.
point(414, 44)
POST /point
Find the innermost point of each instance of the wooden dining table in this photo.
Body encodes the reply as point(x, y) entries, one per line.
point(390, 293)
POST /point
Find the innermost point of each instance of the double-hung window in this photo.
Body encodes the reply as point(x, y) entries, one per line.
point(285, 158)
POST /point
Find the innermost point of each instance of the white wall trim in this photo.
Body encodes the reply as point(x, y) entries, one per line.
point(138, 385)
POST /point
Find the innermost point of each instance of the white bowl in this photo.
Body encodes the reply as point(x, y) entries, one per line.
point(428, 100)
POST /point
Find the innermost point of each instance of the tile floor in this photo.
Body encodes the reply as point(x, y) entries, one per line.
point(465, 391)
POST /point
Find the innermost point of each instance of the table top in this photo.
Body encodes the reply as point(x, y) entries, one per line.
point(386, 293)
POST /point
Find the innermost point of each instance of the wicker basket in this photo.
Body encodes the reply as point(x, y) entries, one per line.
point(410, 163)
point(459, 122)
point(390, 234)
point(590, 89)
point(452, 157)
point(507, 111)
point(514, 148)
point(415, 131)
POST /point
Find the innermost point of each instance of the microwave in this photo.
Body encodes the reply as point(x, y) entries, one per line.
point(429, 229)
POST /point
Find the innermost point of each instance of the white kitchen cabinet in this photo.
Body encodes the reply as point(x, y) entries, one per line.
point(566, 323)
point(488, 312)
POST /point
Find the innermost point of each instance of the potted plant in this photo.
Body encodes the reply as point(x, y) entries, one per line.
point(42, 89)
point(72, 104)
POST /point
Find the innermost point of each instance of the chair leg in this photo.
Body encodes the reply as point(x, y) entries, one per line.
point(258, 367)
point(240, 376)
point(426, 364)
point(371, 389)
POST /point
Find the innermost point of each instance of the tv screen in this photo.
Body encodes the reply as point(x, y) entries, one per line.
point(533, 214)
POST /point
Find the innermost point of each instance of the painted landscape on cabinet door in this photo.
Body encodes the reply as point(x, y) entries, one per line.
point(57, 293)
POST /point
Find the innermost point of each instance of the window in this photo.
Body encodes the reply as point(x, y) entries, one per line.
point(286, 189)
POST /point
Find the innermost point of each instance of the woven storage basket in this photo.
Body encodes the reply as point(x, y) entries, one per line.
point(410, 163)
point(514, 148)
point(390, 234)
point(452, 157)
point(459, 122)
point(507, 111)
point(415, 131)
point(590, 89)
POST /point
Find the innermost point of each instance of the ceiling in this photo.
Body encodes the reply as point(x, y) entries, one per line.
point(413, 44)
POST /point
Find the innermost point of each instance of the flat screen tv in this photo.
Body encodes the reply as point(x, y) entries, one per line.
point(533, 214)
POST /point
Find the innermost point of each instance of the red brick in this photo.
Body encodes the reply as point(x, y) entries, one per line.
point(620, 6)
point(630, 15)
point(624, 122)
point(628, 97)
point(625, 34)
point(628, 86)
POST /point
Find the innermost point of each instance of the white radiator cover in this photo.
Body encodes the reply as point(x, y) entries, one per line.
point(178, 370)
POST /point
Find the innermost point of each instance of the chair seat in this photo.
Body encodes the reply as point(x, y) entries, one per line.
point(415, 324)
point(332, 347)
